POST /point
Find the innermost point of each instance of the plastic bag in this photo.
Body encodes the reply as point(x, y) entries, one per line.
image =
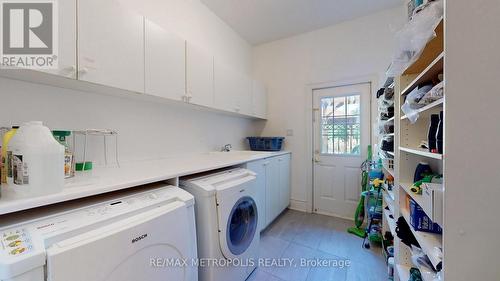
point(412, 39)
point(422, 262)
point(411, 105)
point(436, 93)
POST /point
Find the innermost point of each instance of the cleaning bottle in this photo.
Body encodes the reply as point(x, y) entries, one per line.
point(6, 160)
point(69, 159)
point(37, 161)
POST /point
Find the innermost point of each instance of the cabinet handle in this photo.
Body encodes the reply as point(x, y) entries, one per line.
point(83, 70)
point(70, 68)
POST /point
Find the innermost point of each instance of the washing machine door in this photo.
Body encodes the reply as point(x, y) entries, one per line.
point(240, 227)
point(149, 246)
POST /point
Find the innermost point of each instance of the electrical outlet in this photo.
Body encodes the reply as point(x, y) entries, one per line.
point(289, 132)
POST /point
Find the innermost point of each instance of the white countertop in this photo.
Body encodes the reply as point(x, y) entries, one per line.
point(106, 179)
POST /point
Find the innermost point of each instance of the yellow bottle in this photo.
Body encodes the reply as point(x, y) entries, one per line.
point(6, 169)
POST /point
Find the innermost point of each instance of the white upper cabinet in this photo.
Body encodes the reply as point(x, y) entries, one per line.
point(66, 40)
point(199, 77)
point(110, 45)
point(165, 63)
point(233, 90)
point(259, 100)
point(244, 95)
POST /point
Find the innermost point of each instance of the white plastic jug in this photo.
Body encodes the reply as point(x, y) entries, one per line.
point(38, 161)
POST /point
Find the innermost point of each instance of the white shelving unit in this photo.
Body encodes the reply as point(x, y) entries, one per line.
point(408, 153)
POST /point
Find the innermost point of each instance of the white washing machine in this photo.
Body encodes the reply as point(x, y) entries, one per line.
point(138, 236)
point(226, 223)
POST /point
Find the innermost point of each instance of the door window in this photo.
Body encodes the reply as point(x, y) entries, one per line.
point(341, 125)
point(242, 225)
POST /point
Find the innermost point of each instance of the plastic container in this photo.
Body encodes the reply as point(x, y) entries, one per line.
point(266, 143)
point(7, 159)
point(69, 159)
point(38, 161)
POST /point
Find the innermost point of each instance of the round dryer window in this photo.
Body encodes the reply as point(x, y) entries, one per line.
point(242, 225)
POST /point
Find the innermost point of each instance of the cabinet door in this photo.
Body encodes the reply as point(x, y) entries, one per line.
point(200, 76)
point(110, 45)
point(259, 167)
point(225, 87)
point(165, 63)
point(233, 90)
point(244, 95)
point(273, 206)
point(259, 100)
point(66, 40)
point(284, 175)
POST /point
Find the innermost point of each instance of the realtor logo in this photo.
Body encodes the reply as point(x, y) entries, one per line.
point(28, 34)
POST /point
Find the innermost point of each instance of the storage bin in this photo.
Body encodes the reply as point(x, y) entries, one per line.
point(420, 221)
point(266, 143)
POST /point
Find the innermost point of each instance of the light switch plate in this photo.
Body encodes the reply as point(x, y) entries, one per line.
point(289, 132)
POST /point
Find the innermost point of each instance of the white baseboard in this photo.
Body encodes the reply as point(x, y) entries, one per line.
point(298, 205)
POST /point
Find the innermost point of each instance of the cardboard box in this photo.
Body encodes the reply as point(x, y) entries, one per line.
point(420, 221)
point(432, 201)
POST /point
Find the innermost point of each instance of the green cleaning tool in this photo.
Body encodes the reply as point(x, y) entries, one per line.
point(359, 215)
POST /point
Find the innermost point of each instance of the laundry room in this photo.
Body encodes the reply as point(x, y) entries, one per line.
point(259, 140)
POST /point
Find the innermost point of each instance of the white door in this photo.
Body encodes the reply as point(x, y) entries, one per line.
point(110, 45)
point(200, 76)
point(341, 136)
point(165, 63)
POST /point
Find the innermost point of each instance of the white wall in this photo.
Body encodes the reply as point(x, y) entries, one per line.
point(349, 50)
point(472, 135)
point(193, 21)
point(147, 130)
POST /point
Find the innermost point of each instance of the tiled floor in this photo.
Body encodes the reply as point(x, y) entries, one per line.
point(296, 238)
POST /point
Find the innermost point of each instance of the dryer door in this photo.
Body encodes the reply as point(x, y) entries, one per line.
point(238, 233)
point(149, 246)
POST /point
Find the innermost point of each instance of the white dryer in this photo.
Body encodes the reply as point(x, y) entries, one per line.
point(139, 236)
point(226, 223)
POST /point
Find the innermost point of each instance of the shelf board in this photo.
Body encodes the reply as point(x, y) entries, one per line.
point(428, 241)
point(403, 272)
point(406, 187)
point(422, 152)
point(389, 200)
point(390, 153)
point(427, 107)
point(390, 171)
point(430, 52)
point(391, 222)
point(433, 69)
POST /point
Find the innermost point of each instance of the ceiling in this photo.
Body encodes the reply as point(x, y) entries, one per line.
point(261, 21)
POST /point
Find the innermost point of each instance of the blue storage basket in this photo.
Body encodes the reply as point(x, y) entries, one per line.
point(266, 143)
